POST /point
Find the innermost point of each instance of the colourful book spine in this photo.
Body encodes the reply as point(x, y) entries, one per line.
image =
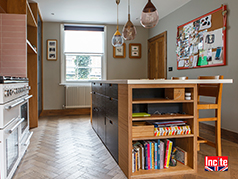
point(133, 161)
point(148, 155)
point(142, 157)
point(136, 164)
point(156, 155)
point(161, 154)
point(168, 153)
point(153, 154)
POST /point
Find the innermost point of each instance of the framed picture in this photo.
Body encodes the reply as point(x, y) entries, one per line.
point(119, 52)
point(52, 49)
point(134, 50)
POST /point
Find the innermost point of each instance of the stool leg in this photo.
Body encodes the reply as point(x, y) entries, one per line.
point(218, 133)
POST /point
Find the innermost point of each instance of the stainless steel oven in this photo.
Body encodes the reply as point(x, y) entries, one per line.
point(14, 123)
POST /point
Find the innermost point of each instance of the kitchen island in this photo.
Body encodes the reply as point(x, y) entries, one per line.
point(114, 102)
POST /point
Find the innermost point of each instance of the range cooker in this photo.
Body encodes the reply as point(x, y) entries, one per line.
point(14, 123)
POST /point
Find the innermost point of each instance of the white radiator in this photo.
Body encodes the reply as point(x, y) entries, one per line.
point(77, 96)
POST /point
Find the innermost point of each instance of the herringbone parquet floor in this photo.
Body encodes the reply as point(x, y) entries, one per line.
point(68, 148)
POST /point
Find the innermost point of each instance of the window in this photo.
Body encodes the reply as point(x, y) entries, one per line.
point(83, 52)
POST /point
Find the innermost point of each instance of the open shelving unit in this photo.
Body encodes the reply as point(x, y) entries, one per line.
point(163, 117)
point(30, 17)
point(31, 11)
point(30, 48)
point(148, 98)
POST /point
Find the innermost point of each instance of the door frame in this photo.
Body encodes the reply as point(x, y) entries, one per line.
point(163, 34)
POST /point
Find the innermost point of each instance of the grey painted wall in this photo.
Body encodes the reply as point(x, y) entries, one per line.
point(119, 68)
point(192, 10)
point(53, 94)
point(126, 68)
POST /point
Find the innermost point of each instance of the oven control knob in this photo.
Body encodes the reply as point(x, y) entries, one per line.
point(15, 91)
point(5, 93)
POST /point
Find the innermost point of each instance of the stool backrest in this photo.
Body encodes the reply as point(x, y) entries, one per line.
point(210, 90)
point(179, 78)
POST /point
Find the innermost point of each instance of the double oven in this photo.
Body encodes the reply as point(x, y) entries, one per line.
point(14, 123)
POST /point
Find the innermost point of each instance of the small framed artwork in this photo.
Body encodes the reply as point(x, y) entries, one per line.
point(119, 52)
point(134, 50)
point(52, 49)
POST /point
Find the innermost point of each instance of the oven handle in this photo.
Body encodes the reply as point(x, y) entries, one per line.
point(28, 138)
point(14, 127)
point(14, 105)
point(28, 97)
point(19, 102)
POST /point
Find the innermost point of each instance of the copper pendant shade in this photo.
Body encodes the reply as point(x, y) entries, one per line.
point(149, 16)
point(129, 30)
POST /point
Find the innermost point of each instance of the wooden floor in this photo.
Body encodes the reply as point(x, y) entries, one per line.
point(68, 148)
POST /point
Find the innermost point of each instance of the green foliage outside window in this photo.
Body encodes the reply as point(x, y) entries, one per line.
point(80, 62)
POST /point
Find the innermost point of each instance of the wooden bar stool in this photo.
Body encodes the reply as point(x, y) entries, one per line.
point(215, 91)
point(179, 78)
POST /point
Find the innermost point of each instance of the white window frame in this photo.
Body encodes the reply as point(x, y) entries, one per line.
point(63, 60)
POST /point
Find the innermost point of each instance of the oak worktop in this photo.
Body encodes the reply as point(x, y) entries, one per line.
point(164, 81)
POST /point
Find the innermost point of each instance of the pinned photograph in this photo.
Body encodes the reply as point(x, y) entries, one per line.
point(205, 22)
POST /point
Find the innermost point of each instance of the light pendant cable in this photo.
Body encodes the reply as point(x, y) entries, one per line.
point(149, 16)
point(129, 30)
point(117, 39)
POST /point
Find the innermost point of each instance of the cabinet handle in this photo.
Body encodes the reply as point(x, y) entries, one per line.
point(110, 84)
point(111, 99)
point(111, 122)
point(100, 84)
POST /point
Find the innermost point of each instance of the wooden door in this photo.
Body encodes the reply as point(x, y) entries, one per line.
point(157, 56)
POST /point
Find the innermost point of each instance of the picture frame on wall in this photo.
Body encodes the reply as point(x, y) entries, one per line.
point(119, 52)
point(52, 49)
point(134, 50)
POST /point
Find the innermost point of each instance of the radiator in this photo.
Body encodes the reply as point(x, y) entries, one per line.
point(77, 97)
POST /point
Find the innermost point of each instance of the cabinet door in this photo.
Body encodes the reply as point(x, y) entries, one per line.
point(101, 124)
point(94, 87)
point(112, 109)
point(112, 90)
point(94, 117)
point(112, 137)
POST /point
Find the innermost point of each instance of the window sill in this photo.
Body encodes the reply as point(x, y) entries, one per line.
point(78, 83)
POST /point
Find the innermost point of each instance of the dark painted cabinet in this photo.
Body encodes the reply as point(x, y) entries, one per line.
point(105, 115)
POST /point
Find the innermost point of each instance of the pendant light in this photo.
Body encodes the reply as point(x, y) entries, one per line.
point(129, 30)
point(117, 39)
point(149, 16)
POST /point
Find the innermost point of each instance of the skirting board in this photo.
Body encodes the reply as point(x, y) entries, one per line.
point(65, 112)
point(225, 134)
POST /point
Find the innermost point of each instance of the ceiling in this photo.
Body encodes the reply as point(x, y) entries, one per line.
point(101, 11)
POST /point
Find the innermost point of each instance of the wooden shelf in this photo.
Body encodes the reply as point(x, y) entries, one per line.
point(178, 170)
point(162, 137)
point(156, 100)
point(30, 17)
point(163, 117)
point(30, 48)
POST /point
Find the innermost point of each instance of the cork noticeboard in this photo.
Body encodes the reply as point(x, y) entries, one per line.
point(202, 42)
